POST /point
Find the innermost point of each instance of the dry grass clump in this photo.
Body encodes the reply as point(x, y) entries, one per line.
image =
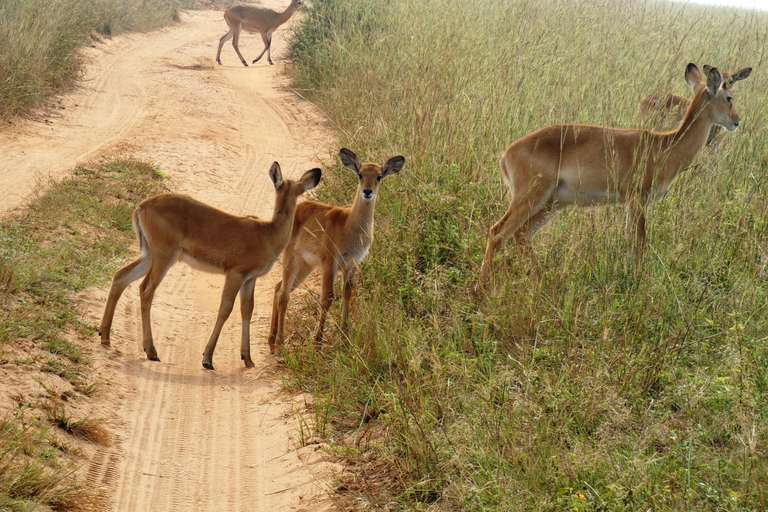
point(35, 470)
point(92, 430)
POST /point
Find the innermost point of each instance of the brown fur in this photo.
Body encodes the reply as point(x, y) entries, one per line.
point(254, 19)
point(581, 165)
point(334, 238)
point(173, 227)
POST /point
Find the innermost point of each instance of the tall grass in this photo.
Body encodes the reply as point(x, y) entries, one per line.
point(40, 39)
point(590, 389)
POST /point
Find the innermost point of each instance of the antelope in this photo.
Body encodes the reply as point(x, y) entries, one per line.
point(666, 108)
point(254, 19)
point(173, 227)
point(581, 165)
point(333, 238)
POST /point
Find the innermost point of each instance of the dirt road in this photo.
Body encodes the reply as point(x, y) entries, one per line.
point(186, 438)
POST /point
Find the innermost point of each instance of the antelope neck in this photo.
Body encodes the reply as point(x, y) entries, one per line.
point(362, 210)
point(691, 135)
point(286, 14)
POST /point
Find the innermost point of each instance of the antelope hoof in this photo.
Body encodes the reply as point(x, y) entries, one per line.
point(207, 365)
point(245, 64)
point(248, 360)
point(219, 61)
point(254, 61)
point(154, 358)
point(271, 63)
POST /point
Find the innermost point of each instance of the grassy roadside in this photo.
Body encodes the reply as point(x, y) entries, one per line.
point(589, 390)
point(41, 39)
point(70, 238)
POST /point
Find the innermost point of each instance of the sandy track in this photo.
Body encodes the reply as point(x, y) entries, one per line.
point(186, 438)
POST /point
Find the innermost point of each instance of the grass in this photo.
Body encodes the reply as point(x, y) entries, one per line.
point(34, 470)
point(71, 237)
point(590, 389)
point(45, 37)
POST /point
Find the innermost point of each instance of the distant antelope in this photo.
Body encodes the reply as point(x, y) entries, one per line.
point(252, 18)
point(666, 110)
point(333, 238)
point(581, 165)
point(174, 227)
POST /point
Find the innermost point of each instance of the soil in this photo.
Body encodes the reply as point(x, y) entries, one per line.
point(185, 438)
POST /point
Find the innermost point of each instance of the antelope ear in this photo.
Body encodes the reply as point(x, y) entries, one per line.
point(276, 176)
point(741, 74)
point(714, 81)
point(693, 76)
point(311, 178)
point(393, 166)
point(705, 68)
point(350, 160)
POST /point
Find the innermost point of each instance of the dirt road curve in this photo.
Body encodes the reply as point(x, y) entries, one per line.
point(187, 439)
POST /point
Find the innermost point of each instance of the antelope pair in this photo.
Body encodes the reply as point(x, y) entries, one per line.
point(334, 238)
point(173, 227)
point(579, 165)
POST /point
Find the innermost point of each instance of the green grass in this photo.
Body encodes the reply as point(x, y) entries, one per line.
point(41, 39)
point(71, 237)
point(590, 389)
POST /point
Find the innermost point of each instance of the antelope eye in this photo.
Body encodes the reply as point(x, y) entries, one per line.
point(730, 100)
point(378, 178)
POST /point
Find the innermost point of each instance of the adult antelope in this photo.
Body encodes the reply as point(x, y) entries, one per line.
point(254, 19)
point(333, 238)
point(666, 110)
point(580, 165)
point(174, 227)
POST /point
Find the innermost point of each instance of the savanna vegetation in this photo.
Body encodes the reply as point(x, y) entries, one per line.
point(593, 388)
point(40, 39)
point(71, 237)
